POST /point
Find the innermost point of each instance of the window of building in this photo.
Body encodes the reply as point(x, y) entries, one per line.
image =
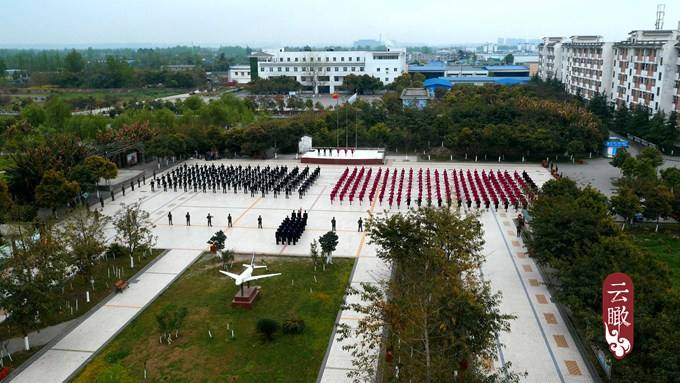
point(658, 90)
point(349, 58)
point(354, 68)
point(288, 59)
point(361, 69)
point(262, 69)
point(294, 69)
point(342, 59)
point(344, 69)
point(659, 75)
point(395, 69)
point(336, 78)
point(377, 69)
point(387, 79)
point(335, 59)
point(296, 59)
point(287, 69)
point(328, 69)
point(358, 59)
point(337, 69)
point(281, 59)
point(304, 59)
point(661, 61)
point(279, 69)
point(271, 69)
point(327, 58)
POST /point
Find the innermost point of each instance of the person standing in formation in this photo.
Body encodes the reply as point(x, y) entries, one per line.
point(209, 217)
point(188, 217)
point(228, 220)
point(170, 218)
point(361, 225)
point(333, 224)
point(259, 222)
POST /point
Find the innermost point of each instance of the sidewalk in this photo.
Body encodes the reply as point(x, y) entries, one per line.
point(38, 338)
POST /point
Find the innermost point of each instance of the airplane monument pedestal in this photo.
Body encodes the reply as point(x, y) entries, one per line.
point(247, 298)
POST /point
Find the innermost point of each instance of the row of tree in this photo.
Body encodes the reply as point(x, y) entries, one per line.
point(643, 189)
point(573, 233)
point(436, 320)
point(659, 128)
point(43, 260)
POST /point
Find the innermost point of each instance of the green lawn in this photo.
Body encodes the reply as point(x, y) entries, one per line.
point(195, 357)
point(75, 289)
point(666, 247)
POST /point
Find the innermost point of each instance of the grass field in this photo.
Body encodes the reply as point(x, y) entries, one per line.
point(665, 246)
point(195, 357)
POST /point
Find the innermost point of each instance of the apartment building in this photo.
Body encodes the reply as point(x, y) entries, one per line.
point(324, 71)
point(550, 58)
point(641, 70)
point(585, 65)
point(645, 70)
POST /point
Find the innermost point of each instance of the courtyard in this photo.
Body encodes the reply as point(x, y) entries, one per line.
point(539, 342)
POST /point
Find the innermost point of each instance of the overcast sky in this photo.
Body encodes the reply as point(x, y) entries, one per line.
point(273, 23)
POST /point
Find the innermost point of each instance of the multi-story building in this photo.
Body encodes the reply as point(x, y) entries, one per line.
point(645, 70)
point(323, 71)
point(585, 65)
point(641, 70)
point(239, 74)
point(550, 58)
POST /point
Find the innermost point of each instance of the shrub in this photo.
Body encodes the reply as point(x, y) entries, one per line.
point(293, 326)
point(115, 356)
point(115, 250)
point(267, 327)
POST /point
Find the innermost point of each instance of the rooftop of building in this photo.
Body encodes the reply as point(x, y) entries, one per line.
point(414, 93)
point(506, 68)
point(465, 68)
point(432, 66)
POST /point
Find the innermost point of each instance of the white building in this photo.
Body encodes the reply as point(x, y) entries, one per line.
point(586, 66)
point(643, 70)
point(550, 58)
point(239, 74)
point(323, 71)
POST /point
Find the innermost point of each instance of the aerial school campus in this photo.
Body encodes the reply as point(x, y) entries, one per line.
point(368, 212)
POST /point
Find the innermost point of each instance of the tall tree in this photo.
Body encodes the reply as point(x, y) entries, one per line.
point(73, 62)
point(626, 203)
point(55, 190)
point(440, 320)
point(32, 277)
point(134, 229)
point(83, 234)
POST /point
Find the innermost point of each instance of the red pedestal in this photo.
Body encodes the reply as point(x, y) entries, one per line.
point(247, 299)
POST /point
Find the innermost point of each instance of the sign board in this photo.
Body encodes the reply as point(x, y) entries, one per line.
point(617, 314)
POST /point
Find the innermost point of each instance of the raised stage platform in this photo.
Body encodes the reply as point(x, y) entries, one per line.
point(344, 156)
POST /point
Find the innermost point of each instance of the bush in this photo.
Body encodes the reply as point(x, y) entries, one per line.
point(267, 327)
point(115, 356)
point(115, 250)
point(293, 326)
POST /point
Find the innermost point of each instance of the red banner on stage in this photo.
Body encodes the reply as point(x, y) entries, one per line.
point(617, 313)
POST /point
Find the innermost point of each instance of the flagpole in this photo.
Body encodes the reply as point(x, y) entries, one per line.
point(337, 124)
point(356, 126)
point(346, 123)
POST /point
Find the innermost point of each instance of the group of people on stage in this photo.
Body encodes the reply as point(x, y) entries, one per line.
point(323, 151)
point(248, 179)
point(291, 229)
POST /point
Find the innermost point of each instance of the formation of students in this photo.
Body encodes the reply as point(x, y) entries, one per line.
point(423, 186)
point(248, 179)
point(291, 229)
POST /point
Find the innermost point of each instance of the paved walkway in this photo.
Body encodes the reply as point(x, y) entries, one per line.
point(38, 338)
point(536, 343)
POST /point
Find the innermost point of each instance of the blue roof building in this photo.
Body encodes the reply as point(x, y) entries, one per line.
point(430, 70)
point(448, 82)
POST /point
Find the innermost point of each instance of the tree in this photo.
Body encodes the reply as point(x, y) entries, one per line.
point(83, 234)
point(314, 252)
point(57, 113)
point(657, 204)
point(227, 257)
point(55, 190)
point(509, 59)
point(652, 156)
point(73, 62)
point(134, 229)
point(267, 327)
point(671, 176)
point(32, 277)
point(329, 242)
point(440, 319)
point(6, 203)
point(626, 203)
point(620, 158)
point(170, 319)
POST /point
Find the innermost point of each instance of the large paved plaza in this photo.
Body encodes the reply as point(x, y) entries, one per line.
point(539, 342)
